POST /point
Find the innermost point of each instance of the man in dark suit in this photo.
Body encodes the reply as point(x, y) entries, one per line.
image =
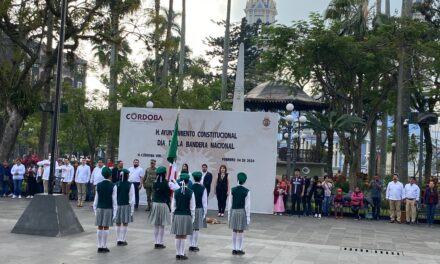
point(116, 172)
point(206, 178)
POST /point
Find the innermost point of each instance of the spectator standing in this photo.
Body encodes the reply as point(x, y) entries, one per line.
point(148, 181)
point(18, 171)
point(338, 203)
point(430, 201)
point(318, 195)
point(32, 180)
point(46, 172)
point(328, 186)
point(96, 176)
point(297, 190)
point(5, 178)
point(82, 177)
point(376, 194)
point(116, 172)
point(411, 197)
point(278, 201)
point(206, 178)
point(285, 184)
point(394, 195)
point(67, 176)
point(136, 174)
point(307, 198)
point(357, 202)
point(222, 189)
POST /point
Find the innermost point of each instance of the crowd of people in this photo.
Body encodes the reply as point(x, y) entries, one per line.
point(327, 198)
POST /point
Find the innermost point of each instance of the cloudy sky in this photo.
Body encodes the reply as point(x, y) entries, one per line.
point(201, 12)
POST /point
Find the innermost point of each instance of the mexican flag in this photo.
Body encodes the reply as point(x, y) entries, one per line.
point(172, 152)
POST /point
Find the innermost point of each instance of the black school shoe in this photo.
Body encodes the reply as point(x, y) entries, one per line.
point(196, 249)
point(105, 250)
point(120, 243)
point(99, 250)
point(234, 252)
point(240, 252)
point(159, 246)
point(184, 257)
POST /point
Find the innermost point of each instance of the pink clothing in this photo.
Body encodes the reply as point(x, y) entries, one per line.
point(279, 205)
point(357, 199)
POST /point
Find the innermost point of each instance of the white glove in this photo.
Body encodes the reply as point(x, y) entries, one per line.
point(94, 211)
point(132, 213)
point(248, 220)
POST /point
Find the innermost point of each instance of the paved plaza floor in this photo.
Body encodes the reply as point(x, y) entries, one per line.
point(272, 239)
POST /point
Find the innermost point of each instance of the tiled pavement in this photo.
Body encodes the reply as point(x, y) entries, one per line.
point(272, 239)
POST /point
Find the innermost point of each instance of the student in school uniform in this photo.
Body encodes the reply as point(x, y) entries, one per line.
point(201, 196)
point(183, 206)
point(104, 205)
point(160, 212)
point(124, 213)
point(239, 213)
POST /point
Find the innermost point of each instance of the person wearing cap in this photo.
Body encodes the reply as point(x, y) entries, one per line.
point(124, 214)
point(160, 211)
point(394, 195)
point(148, 182)
point(82, 177)
point(104, 206)
point(183, 207)
point(201, 196)
point(239, 213)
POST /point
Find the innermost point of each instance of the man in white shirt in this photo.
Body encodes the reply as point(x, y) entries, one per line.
point(67, 174)
point(45, 174)
point(411, 196)
point(82, 177)
point(394, 195)
point(17, 171)
point(136, 174)
point(96, 174)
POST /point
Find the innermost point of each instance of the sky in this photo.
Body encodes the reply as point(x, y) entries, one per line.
point(199, 25)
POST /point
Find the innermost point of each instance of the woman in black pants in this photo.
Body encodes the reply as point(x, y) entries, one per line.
point(221, 190)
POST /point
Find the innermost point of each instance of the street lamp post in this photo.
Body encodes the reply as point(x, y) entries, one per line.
point(393, 157)
point(288, 137)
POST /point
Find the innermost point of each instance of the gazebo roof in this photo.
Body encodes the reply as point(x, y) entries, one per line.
point(275, 95)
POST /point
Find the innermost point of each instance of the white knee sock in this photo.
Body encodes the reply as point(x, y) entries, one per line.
point(104, 238)
point(182, 247)
point(178, 246)
point(190, 240)
point(234, 240)
point(195, 238)
point(240, 237)
point(124, 230)
point(161, 234)
point(156, 234)
point(118, 233)
point(99, 238)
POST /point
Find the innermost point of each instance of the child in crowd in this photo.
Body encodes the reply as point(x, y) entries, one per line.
point(338, 203)
point(278, 193)
point(318, 195)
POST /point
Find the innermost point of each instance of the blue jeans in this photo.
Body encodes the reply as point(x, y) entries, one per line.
point(5, 187)
point(326, 205)
point(376, 207)
point(430, 211)
point(17, 187)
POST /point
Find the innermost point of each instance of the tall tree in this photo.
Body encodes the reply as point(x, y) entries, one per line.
point(182, 53)
point(168, 43)
point(22, 30)
point(226, 52)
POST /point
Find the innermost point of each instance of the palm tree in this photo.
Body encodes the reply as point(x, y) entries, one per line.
point(118, 9)
point(166, 53)
point(330, 123)
point(352, 14)
point(226, 53)
point(182, 53)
